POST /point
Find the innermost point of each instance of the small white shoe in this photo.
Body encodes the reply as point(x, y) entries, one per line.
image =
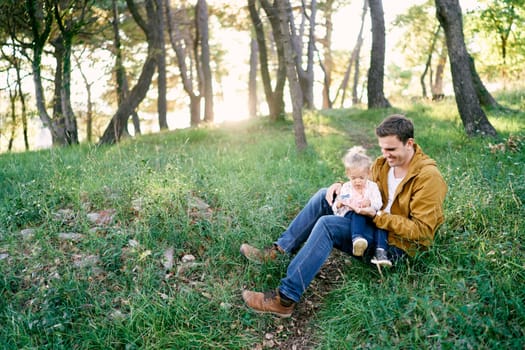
point(359, 246)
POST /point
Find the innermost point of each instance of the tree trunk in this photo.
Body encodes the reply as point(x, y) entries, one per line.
point(176, 41)
point(327, 49)
point(359, 44)
point(474, 119)
point(437, 86)
point(252, 79)
point(376, 95)
point(484, 96)
point(22, 101)
point(428, 63)
point(70, 118)
point(353, 62)
point(89, 103)
point(114, 130)
point(202, 27)
point(59, 118)
point(40, 35)
point(292, 74)
point(69, 26)
point(306, 76)
point(274, 98)
point(12, 103)
point(161, 69)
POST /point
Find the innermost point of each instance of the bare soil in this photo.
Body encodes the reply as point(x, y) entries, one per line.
point(297, 333)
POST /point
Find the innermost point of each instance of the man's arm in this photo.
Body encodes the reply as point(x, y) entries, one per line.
point(424, 210)
point(332, 192)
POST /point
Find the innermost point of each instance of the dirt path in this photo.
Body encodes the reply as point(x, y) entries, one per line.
point(298, 332)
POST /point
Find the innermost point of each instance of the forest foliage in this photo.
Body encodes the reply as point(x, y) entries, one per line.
point(97, 71)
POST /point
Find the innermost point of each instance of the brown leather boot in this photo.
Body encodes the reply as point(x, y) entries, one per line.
point(269, 302)
point(258, 255)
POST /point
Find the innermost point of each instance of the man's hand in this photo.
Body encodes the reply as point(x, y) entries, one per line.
point(368, 211)
point(364, 203)
point(332, 191)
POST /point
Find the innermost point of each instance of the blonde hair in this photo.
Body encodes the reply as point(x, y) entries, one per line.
point(356, 157)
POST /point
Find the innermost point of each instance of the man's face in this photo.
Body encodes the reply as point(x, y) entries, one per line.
point(395, 153)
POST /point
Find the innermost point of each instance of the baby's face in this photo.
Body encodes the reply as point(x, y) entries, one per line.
point(357, 176)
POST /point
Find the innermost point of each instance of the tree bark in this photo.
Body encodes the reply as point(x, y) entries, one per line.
point(120, 72)
point(437, 86)
point(40, 24)
point(63, 117)
point(474, 119)
point(274, 97)
point(177, 41)
point(428, 63)
point(484, 96)
point(292, 74)
point(202, 28)
point(12, 104)
point(114, 130)
point(306, 76)
point(161, 68)
point(70, 18)
point(353, 62)
point(327, 49)
point(376, 95)
point(22, 98)
point(89, 103)
point(252, 79)
point(359, 44)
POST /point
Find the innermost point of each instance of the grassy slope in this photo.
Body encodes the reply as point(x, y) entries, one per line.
point(467, 292)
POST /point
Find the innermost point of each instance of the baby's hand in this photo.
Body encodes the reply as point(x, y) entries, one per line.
point(364, 203)
point(347, 201)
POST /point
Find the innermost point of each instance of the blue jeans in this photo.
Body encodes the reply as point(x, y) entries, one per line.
point(380, 238)
point(360, 226)
point(320, 230)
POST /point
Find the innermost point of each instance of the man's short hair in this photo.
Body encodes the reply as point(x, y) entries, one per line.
point(398, 125)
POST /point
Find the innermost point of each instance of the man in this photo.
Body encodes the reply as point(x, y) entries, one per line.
point(413, 192)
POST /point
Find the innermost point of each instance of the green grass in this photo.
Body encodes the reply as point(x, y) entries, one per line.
point(465, 293)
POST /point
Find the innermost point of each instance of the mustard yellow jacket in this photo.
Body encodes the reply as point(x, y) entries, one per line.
point(417, 209)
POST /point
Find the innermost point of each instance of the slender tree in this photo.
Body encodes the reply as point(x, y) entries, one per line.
point(354, 62)
point(40, 19)
point(474, 119)
point(71, 17)
point(191, 74)
point(376, 72)
point(291, 72)
point(161, 68)
point(274, 95)
point(252, 78)
point(120, 70)
point(201, 14)
point(306, 75)
point(437, 84)
point(15, 90)
point(428, 62)
point(327, 63)
point(89, 101)
point(115, 128)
